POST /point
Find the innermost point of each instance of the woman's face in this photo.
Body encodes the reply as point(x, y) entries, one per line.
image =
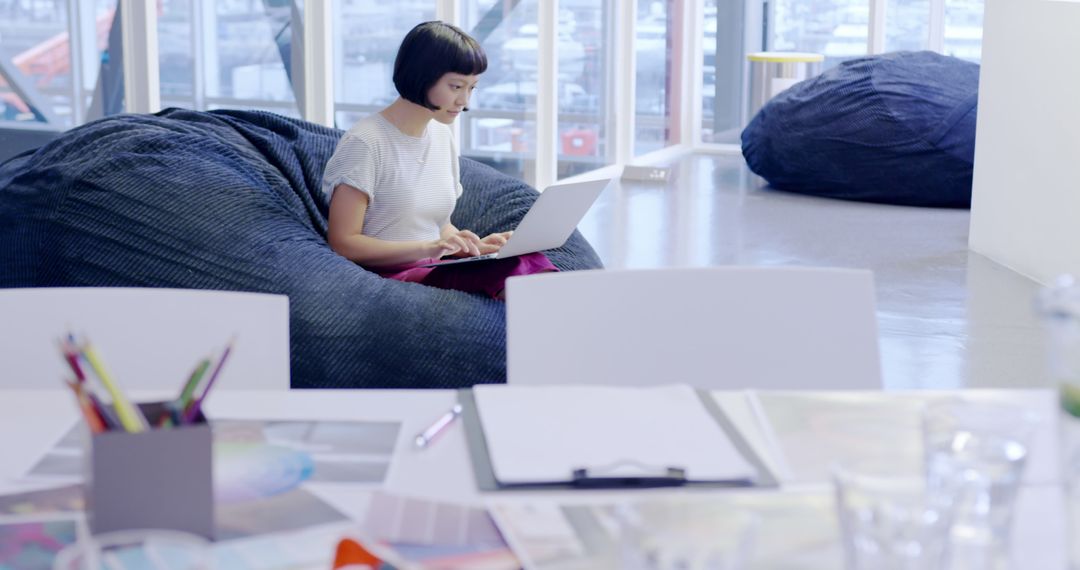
point(451, 95)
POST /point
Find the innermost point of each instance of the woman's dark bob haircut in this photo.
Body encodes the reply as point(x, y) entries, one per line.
point(429, 51)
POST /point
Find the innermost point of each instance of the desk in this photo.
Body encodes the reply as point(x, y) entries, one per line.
point(815, 428)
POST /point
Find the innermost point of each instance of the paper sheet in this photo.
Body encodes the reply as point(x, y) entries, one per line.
point(544, 433)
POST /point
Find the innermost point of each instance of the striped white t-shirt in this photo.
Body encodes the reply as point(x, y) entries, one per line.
point(412, 183)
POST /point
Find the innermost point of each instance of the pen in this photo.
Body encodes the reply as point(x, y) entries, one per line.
point(424, 438)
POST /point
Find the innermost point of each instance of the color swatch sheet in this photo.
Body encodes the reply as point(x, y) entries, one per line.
point(425, 534)
point(415, 532)
point(32, 544)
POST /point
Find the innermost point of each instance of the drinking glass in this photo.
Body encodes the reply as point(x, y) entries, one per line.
point(976, 451)
point(685, 534)
point(891, 523)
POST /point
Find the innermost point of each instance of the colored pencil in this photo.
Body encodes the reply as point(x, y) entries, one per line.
point(192, 411)
point(130, 416)
point(93, 420)
point(193, 382)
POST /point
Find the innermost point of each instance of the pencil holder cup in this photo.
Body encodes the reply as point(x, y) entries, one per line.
point(161, 478)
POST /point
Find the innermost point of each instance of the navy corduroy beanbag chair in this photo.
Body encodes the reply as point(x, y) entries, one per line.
point(897, 128)
point(230, 200)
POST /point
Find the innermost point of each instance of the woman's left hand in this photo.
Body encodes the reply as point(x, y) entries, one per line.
point(470, 243)
point(494, 242)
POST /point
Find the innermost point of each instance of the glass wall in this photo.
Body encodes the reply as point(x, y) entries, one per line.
point(176, 57)
point(238, 54)
point(500, 128)
point(963, 29)
point(907, 25)
point(229, 54)
point(367, 35)
point(585, 78)
point(35, 37)
point(246, 56)
point(36, 40)
point(653, 47)
point(724, 67)
point(837, 29)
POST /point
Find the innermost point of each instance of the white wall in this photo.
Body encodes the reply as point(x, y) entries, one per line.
point(1026, 203)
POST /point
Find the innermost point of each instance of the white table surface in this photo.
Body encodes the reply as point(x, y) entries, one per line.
point(31, 421)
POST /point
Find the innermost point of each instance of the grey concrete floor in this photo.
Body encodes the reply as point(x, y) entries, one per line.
point(947, 317)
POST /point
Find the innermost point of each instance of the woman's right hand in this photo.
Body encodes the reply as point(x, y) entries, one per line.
point(442, 247)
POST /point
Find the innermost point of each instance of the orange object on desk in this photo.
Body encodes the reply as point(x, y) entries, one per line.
point(351, 554)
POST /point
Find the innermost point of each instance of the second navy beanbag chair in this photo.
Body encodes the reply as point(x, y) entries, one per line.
point(897, 128)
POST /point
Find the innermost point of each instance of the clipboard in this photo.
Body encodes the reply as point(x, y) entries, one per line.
point(663, 476)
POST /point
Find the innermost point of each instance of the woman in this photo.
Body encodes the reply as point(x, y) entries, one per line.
point(393, 180)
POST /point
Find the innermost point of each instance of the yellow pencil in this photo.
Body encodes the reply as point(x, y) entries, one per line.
point(130, 417)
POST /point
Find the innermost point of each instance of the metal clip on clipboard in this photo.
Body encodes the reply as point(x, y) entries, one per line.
point(615, 476)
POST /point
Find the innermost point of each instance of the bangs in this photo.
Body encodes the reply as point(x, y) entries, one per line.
point(468, 58)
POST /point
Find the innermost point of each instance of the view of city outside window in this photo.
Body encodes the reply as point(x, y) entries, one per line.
point(176, 62)
point(35, 38)
point(244, 44)
point(243, 50)
point(907, 25)
point(837, 29)
point(653, 49)
point(585, 41)
point(963, 29)
point(500, 127)
point(243, 56)
point(723, 65)
point(367, 34)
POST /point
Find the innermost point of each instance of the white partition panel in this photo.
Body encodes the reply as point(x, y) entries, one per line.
point(1026, 203)
point(147, 338)
point(711, 327)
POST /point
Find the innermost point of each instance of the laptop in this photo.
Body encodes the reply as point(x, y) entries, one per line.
point(547, 224)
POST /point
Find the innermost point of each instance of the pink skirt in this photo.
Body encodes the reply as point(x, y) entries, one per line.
point(481, 277)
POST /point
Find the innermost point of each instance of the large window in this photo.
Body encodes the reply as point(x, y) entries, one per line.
point(367, 34)
point(585, 101)
point(241, 54)
point(36, 40)
point(245, 56)
point(907, 25)
point(963, 29)
point(837, 29)
point(653, 46)
point(226, 54)
point(500, 129)
point(176, 55)
point(35, 37)
point(723, 65)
